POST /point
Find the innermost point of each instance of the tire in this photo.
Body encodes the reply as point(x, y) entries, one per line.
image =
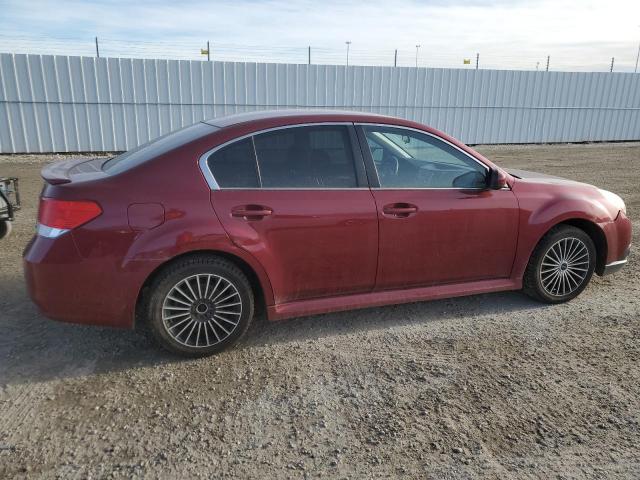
point(5, 228)
point(193, 305)
point(560, 266)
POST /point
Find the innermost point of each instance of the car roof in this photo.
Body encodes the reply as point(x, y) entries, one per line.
point(293, 116)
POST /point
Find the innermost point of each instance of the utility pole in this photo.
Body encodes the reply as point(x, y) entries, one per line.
point(97, 49)
point(548, 59)
point(208, 52)
point(612, 60)
point(395, 58)
point(417, 48)
point(309, 56)
point(477, 60)
point(348, 44)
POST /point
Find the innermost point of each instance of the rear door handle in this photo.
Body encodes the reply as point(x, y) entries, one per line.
point(399, 210)
point(251, 212)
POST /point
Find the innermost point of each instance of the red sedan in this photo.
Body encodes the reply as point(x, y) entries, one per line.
point(303, 213)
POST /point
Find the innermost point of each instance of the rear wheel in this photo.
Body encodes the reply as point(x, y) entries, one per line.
point(200, 305)
point(561, 265)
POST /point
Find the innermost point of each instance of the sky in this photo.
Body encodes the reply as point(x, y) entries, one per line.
point(577, 34)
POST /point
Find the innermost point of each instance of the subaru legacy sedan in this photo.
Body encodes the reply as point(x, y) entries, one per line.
point(301, 212)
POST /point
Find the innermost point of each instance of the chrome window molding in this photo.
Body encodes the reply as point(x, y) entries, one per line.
point(211, 180)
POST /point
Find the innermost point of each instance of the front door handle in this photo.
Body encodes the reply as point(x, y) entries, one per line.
point(399, 210)
point(251, 212)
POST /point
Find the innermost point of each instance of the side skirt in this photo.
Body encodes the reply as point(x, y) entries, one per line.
point(388, 297)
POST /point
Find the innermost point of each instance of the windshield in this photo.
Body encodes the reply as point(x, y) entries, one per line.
point(154, 148)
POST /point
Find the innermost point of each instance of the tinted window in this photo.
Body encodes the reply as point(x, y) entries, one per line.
point(234, 166)
point(306, 157)
point(154, 148)
point(409, 159)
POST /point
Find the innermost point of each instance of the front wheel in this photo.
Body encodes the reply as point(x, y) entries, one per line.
point(199, 306)
point(561, 265)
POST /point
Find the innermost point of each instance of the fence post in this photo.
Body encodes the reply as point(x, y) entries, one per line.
point(208, 52)
point(612, 60)
point(548, 59)
point(395, 58)
point(97, 49)
point(477, 60)
point(309, 54)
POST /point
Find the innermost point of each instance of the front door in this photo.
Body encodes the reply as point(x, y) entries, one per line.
point(438, 222)
point(296, 199)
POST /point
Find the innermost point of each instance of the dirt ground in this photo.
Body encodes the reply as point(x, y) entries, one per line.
point(489, 386)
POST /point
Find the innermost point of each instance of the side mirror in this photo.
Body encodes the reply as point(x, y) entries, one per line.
point(496, 180)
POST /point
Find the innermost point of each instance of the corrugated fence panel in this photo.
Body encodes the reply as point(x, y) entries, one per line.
point(73, 104)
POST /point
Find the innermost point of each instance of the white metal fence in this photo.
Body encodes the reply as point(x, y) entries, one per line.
point(71, 104)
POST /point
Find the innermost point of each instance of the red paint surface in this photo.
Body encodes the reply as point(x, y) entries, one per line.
point(312, 251)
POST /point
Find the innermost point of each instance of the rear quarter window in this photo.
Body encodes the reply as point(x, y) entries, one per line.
point(157, 147)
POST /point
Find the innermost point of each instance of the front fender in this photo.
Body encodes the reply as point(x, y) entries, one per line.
point(544, 206)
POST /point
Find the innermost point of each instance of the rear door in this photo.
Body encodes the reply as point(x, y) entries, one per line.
point(438, 222)
point(296, 198)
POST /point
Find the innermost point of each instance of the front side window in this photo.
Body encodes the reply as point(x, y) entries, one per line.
point(409, 159)
point(306, 157)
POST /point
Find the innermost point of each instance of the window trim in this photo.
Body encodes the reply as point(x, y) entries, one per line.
point(356, 152)
point(370, 164)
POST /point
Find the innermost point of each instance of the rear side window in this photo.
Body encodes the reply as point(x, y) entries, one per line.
point(157, 147)
point(234, 166)
point(306, 157)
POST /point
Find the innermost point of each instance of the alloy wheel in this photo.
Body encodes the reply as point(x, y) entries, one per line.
point(564, 266)
point(202, 310)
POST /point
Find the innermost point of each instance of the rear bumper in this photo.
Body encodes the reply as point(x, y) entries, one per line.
point(69, 288)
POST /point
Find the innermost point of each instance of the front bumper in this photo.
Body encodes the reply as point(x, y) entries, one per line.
point(613, 267)
point(618, 236)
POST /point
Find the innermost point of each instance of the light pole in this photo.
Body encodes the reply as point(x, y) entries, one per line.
point(637, 57)
point(417, 47)
point(348, 44)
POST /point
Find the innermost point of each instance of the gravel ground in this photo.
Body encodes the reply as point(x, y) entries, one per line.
point(491, 386)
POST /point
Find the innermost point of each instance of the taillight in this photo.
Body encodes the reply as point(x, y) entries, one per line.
point(58, 216)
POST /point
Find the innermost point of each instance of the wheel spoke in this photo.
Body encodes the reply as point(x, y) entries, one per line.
point(195, 297)
point(220, 317)
point(178, 301)
point(206, 289)
point(226, 298)
point(177, 315)
point(215, 288)
point(229, 305)
point(213, 329)
point(181, 322)
point(177, 308)
point(198, 284)
point(221, 327)
point(179, 290)
point(221, 292)
point(182, 331)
